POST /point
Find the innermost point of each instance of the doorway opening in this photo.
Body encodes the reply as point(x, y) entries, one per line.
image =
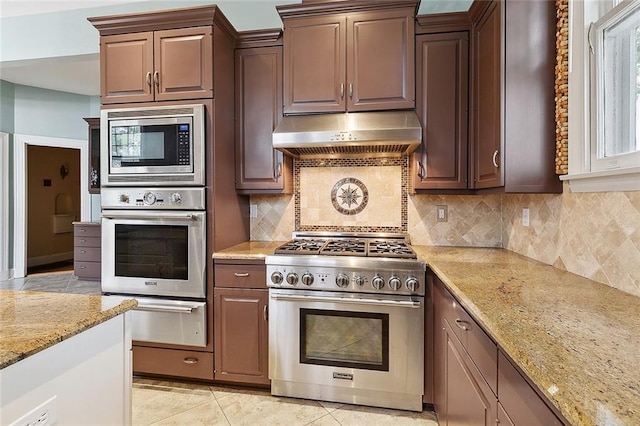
point(59, 206)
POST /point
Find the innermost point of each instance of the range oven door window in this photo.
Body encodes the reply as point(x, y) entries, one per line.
point(152, 251)
point(156, 144)
point(344, 339)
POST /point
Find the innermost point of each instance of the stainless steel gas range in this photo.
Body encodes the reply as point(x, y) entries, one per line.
point(346, 319)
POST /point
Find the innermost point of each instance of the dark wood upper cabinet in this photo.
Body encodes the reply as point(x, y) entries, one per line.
point(442, 101)
point(164, 55)
point(259, 168)
point(156, 66)
point(360, 60)
point(94, 154)
point(513, 115)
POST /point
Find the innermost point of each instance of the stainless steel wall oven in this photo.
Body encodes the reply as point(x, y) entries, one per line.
point(346, 320)
point(154, 245)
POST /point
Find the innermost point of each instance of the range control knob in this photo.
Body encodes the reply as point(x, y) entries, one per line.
point(395, 283)
point(277, 277)
point(176, 198)
point(412, 284)
point(360, 280)
point(377, 282)
point(124, 198)
point(292, 278)
point(342, 280)
point(307, 279)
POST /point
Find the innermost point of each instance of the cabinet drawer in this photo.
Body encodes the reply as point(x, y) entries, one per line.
point(87, 230)
point(480, 347)
point(84, 241)
point(521, 403)
point(87, 254)
point(240, 275)
point(173, 362)
point(87, 270)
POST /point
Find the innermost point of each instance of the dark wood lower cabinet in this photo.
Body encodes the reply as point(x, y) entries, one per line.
point(172, 362)
point(468, 400)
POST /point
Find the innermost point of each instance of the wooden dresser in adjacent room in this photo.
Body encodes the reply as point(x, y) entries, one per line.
point(86, 250)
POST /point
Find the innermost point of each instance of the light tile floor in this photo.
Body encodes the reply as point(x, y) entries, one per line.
point(160, 402)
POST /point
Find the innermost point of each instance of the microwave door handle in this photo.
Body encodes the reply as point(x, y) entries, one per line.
point(348, 300)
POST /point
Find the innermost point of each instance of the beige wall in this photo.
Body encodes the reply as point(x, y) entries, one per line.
point(43, 202)
point(595, 235)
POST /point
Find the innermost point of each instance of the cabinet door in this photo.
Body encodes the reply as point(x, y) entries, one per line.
point(241, 335)
point(259, 168)
point(469, 401)
point(314, 64)
point(442, 105)
point(380, 60)
point(126, 68)
point(487, 99)
point(183, 64)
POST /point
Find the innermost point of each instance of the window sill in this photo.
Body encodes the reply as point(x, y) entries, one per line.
point(627, 179)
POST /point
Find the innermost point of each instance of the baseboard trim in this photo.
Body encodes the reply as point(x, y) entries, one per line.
point(49, 258)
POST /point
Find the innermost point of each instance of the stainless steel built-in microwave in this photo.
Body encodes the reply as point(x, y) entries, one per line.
point(156, 146)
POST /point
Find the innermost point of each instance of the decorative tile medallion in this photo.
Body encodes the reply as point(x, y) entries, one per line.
point(349, 196)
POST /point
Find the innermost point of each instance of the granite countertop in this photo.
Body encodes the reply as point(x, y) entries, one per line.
point(576, 339)
point(32, 321)
point(250, 250)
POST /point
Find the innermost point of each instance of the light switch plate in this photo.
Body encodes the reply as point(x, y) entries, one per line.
point(525, 217)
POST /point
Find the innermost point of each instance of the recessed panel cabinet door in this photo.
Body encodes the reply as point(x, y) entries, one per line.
point(487, 94)
point(380, 61)
point(183, 64)
point(126, 68)
point(314, 70)
point(241, 335)
point(442, 102)
point(259, 168)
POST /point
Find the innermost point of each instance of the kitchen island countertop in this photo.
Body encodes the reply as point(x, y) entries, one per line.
point(32, 321)
point(577, 340)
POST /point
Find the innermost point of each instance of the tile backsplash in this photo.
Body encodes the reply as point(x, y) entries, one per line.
point(595, 235)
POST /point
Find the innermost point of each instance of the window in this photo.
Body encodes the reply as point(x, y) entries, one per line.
point(615, 88)
point(604, 98)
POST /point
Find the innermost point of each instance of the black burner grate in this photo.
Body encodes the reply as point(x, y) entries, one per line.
point(345, 248)
point(385, 248)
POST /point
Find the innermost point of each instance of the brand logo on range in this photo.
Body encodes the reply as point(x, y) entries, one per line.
point(343, 376)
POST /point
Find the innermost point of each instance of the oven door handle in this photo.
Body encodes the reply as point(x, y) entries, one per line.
point(157, 307)
point(348, 300)
point(167, 216)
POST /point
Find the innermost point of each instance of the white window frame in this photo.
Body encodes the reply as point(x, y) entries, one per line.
point(583, 176)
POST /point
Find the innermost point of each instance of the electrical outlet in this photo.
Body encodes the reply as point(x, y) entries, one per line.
point(442, 215)
point(42, 415)
point(253, 211)
point(525, 217)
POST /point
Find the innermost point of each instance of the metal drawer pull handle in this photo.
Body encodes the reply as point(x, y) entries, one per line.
point(377, 302)
point(82, 230)
point(83, 251)
point(341, 90)
point(265, 312)
point(165, 308)
point(83, 240)
point(190, 360)
point(149, 79)
point(241, 274)
point(464, 325)
point(163, 216)
point(494, 159)
point(82, 267)
point(350, 90)
point(156, 79)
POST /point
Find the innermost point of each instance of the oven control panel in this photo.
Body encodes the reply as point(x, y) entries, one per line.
point(155, 199)
point(388, 280)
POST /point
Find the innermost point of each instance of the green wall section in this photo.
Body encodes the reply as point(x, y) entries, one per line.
point(7, 106)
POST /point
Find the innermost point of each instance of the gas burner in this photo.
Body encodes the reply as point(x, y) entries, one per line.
point(345, 248)
point(301, 246)
point(385, 248)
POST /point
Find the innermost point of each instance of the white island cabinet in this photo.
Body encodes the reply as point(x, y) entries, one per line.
point(66, 359)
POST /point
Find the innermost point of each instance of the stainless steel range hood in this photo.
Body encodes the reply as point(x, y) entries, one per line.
point(371, 134)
